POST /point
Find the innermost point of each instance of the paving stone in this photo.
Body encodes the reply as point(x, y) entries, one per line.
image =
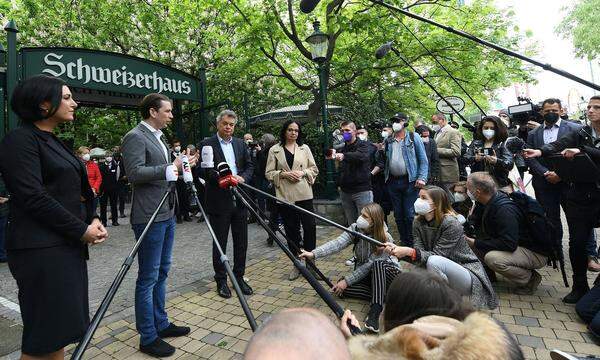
point(212, 338)
point(568, 335)
point(526, 321)
point(532, 341)
point(542, 332)
point(584, 348)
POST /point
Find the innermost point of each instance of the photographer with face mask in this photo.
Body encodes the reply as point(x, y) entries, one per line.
point(374, 270)
point(488, 152)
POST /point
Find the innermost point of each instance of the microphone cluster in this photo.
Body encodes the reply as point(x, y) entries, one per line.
point(226, 178)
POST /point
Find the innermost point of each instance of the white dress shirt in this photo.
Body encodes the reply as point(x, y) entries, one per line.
point(551, 134)
point(229, 153)
point(170, 172)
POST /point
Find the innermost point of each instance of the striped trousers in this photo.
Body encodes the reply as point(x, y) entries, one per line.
point(374, 287)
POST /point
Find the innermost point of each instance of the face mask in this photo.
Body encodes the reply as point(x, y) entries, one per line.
point(422, 207)
point(177, 148)
point(362, 223)
point(86, 157)
point(471, 196)
point(551, 118)
point(108, 159)
point(397, 127)
point(461, 219)
point(384, 134)
point(489, 133)
point(363, 137)
point(435, 127)
point(460, 197)
point(248, 141)
point(425, 140)
point(347, 136)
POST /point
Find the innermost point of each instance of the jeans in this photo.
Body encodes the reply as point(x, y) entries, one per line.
point(588, 309)
point(591, 249)
point(154, 260)
point(457, 277)
point(354, 203)
point(3, 221)
point(403, 195)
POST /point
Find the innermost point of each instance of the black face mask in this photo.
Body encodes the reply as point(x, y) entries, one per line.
point(551, 118)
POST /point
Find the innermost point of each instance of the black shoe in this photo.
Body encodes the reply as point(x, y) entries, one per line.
point(179, 221)
point(104, 224)
point(372, 320)
point(115, 223)
point(574, 296)
point(158, 348)
point(223, 290)
point(188, 219)
point(246, 289)
point(3, 260)
point(173, 331)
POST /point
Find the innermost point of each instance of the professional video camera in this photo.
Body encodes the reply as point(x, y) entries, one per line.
point(524, 112)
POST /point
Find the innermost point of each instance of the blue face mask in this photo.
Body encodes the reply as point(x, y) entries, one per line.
point(347, 136)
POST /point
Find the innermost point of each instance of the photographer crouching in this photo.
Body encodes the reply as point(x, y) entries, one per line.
point(582, 196)
point(503, 241)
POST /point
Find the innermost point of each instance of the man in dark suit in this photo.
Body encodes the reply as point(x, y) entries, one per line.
point(222, 211)
point(549, 189)
point(110, 171)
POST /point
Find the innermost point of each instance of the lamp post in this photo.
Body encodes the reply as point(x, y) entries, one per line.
point(319, 42)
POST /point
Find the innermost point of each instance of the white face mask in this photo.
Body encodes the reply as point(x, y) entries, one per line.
point(488, 133)
point(362, 223)
point(435, 127)
point(177, 148)
point(397, 127)
point(460, 197)
point(384, 134)
point(461, 219)
point(108, 159)
point(425, 140)
point(86, 157)
point(471, 196)
point(422, 207)
point(363, 137)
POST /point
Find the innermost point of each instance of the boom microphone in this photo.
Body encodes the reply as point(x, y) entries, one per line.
point(383, 50)
point(307, 6)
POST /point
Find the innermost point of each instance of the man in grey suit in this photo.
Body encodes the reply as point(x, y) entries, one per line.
point(549, 189)
point(149, 171)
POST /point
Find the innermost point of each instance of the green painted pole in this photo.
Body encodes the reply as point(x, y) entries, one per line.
point(330, 192)
point(203, 102)
point(11, 70)
point(2, 92)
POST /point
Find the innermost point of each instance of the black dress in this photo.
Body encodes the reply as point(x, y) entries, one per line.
point(50, 210)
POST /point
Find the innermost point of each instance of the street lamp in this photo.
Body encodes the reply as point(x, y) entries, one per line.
point(319, 42)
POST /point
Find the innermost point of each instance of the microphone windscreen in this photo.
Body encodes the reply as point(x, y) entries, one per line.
point(383, 50)
point(207, 157)
point(223, 169)
point(515, 144)
point(187, 170)
point(307, 6)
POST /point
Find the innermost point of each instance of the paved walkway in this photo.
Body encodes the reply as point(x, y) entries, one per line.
point(220, 330)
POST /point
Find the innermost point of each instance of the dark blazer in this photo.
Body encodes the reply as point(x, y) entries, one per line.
point(47, 184)
point(218, 200)
point(535, 139)
point(109, 176)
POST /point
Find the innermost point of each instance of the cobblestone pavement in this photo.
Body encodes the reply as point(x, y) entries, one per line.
point(219, 329)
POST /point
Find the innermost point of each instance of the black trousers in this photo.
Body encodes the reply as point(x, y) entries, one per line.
point(109, 196)
point(122, 196)
point(237, 220)
point(292, 220)
point(549, 196)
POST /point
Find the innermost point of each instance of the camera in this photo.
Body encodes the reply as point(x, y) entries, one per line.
point(525, 111)
point(469, 229)
point(253, 144)
point(485, 151)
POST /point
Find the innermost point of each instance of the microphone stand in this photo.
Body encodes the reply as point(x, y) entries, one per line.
point(295, 248)
point(321, 291)
point(501, 49)
point(87, 337)
point(317, 216)
point(225, 261)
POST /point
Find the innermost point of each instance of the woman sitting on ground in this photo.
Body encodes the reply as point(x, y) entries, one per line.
point(374, 270)
point(424, 318)
point(441, 248)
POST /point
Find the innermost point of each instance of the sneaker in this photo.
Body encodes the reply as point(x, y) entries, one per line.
point(158, 348)
point(531, 286)
point(561, 355)
point(593, 264)
point(351, 261)
point(372, 320)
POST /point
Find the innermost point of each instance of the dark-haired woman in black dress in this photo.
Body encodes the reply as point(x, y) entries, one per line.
point(51, 220)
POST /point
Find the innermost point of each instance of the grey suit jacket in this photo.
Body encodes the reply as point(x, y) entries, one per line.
point(145, 166)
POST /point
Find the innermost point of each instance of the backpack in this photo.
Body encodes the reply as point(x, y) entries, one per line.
point(541, 230)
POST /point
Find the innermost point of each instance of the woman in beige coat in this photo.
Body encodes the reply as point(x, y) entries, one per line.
point(292, 170)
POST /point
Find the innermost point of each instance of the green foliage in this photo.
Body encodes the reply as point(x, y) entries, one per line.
point(581, 25)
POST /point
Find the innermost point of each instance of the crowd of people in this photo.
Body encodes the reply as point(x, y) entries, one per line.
point(459, 219)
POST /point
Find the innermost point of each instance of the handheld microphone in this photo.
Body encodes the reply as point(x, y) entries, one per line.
point(188, 178)
point(226, 178)
point(306, 6)
point(207, 157)
point(383, 50)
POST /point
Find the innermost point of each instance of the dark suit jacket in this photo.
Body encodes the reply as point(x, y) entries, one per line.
point(47, 183)
point(535, 139)
point(109, 176)
point(220, 201)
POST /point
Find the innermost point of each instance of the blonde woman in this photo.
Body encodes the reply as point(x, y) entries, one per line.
point(440, 246)
point(292, 170)
point(374, 270)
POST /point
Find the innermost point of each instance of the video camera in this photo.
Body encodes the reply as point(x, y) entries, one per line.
point(524, 112)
